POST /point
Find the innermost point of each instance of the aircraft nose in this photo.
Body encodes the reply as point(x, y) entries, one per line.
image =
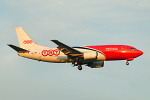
point(140, 52)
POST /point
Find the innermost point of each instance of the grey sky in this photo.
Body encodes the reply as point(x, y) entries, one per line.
point(75, 23)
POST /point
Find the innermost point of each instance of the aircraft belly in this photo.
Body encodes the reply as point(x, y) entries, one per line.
point(57, 59)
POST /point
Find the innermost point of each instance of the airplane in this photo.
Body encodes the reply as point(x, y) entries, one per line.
point(91, 56)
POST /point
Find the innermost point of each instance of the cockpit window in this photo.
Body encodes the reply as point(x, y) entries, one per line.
point(132, 48)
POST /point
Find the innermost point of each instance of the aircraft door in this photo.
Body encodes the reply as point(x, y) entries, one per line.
point(123, 48)
point(123, 52)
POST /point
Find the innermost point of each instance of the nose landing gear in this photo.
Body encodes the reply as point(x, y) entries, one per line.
point(127, 63)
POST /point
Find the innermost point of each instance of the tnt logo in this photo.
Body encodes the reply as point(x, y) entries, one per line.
point(27, 42)
point(50, 52)
point(44, 52)
point(56, 52)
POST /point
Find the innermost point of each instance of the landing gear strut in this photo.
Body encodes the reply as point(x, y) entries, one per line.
point(80, 67)
point(127, 63)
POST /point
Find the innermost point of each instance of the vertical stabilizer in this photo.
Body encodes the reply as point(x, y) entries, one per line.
point(24, 39)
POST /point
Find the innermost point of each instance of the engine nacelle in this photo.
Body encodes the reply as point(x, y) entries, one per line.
point(96, 64)
point(90, 55)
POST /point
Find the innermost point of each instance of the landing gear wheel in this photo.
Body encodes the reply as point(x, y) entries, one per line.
point(76, 63)
point(80, 67)
point(127, 63)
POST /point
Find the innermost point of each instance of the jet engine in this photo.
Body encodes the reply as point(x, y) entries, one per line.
point(96, 64)
point(90, 55)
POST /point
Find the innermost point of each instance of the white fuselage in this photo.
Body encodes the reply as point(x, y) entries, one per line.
point(51, 55)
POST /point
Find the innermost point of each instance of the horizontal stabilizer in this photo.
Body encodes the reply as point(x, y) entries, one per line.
point(18, 49)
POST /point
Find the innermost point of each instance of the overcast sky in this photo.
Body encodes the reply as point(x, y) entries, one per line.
point(75, 23)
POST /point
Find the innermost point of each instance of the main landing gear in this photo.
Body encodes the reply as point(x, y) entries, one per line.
point(78, 63)
point(80, 67)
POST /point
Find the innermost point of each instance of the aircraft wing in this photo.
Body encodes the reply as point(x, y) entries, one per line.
point(66, 49)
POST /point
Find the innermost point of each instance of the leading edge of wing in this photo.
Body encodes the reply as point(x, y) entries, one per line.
point(66, 49)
